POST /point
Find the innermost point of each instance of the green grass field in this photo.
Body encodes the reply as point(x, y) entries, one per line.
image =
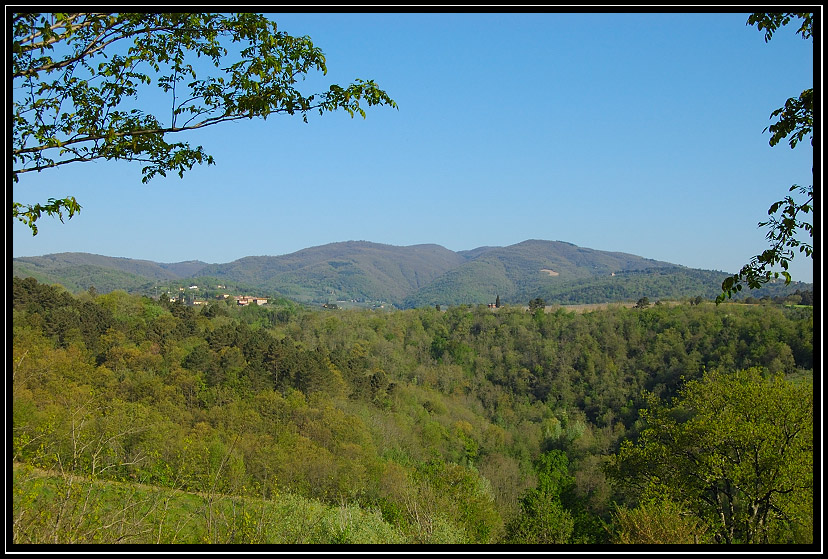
point(49, 507)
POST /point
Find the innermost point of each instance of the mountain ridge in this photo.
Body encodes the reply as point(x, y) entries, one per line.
point(404, 276)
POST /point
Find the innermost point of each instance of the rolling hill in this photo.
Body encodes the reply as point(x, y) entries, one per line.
point(347, 270)
point(525, 270)
point(407, 276)
point(77, 271)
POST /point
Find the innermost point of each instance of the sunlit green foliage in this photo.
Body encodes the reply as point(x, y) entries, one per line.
point(736, 451)
point(455, 426)
point(77, 76)
point(786, 228)
point(657, 522)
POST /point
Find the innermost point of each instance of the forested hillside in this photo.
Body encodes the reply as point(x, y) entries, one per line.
point(79, 271)
point(405, 277)
point(470, 425)
point(354, 269)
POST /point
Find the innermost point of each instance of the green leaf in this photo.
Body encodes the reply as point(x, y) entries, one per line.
point(71, 111)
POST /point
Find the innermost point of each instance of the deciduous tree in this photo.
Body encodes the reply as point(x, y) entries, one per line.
point(544, 516)
point(734, 449)
point(788, 218)
point(536, 304)
point(76, 78)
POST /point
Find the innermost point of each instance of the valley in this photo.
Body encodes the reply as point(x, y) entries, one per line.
point(137, 420)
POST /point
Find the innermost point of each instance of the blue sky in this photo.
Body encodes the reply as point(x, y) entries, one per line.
point(639, 133)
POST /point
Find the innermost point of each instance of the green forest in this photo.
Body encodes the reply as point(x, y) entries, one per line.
point(141, 421)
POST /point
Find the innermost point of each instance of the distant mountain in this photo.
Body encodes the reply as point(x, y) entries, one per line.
point(525, 270)
point(410, 276)
point(347, 270)
point(77, 271)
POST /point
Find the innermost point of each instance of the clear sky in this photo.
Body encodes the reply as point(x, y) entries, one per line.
point(638, 133)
